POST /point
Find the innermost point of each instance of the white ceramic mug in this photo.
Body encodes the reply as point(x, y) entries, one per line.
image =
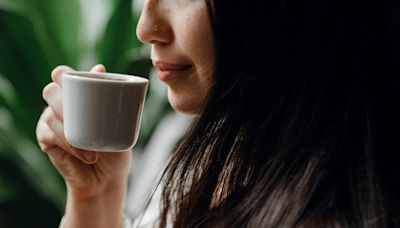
point(102, 111)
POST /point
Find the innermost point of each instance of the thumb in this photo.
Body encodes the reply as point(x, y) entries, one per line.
point(99, 68)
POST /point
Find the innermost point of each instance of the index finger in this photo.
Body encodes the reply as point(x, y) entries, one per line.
point(58, 71)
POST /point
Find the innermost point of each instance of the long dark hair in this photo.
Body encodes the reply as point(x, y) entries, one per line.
point(302, 124)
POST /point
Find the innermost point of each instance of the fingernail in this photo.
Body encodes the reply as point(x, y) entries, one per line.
point(99, 67)
point(89, 156)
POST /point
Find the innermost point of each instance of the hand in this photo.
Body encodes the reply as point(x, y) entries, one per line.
point(86, 173)
point(96, 182)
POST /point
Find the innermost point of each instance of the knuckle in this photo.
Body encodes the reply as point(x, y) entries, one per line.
point(59, 70)
point(38, 132)
point(41, 146)
point(48, 149)
point(49, 117)
point(49, 90)
point(45, 112)
point(44, 142)
point(39, 139)
point(45, 136)
point(45, 148)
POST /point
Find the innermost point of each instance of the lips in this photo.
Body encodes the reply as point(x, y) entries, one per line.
point(167, 71)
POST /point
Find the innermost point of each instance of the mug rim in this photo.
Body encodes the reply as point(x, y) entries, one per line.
point(94, 76)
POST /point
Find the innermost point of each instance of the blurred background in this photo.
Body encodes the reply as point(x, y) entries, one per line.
point(35, 37)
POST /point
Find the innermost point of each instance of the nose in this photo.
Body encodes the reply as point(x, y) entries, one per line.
point(153, 26)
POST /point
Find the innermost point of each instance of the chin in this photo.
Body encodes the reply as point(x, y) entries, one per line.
point(184, 103)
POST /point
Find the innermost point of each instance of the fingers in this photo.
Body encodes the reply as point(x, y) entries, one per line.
point(52, 94)
point(58, 71)
point(99, 68)
point(57, 155)
point(57, 137)
point(64, 162)
point(50, 129)
point(45, 136)
point(55, 125)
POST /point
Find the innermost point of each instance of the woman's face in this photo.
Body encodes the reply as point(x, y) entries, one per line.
point(180, 36)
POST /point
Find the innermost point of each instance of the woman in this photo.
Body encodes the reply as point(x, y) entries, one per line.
point(296, 119)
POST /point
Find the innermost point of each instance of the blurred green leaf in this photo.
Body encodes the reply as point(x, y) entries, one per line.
point(30, 160)
point(5, 120)
point(7, 91)
point(119, 38)
point(37, 168)
point(7, 190)
point(59, 21)
point(21, 59)
point(56, 25)
point(24, 207)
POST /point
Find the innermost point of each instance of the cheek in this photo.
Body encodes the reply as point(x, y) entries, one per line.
point(194, 39)
point(198, 43)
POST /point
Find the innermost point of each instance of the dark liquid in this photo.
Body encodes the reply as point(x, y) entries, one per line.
point(109, 79)
point(113, 79)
